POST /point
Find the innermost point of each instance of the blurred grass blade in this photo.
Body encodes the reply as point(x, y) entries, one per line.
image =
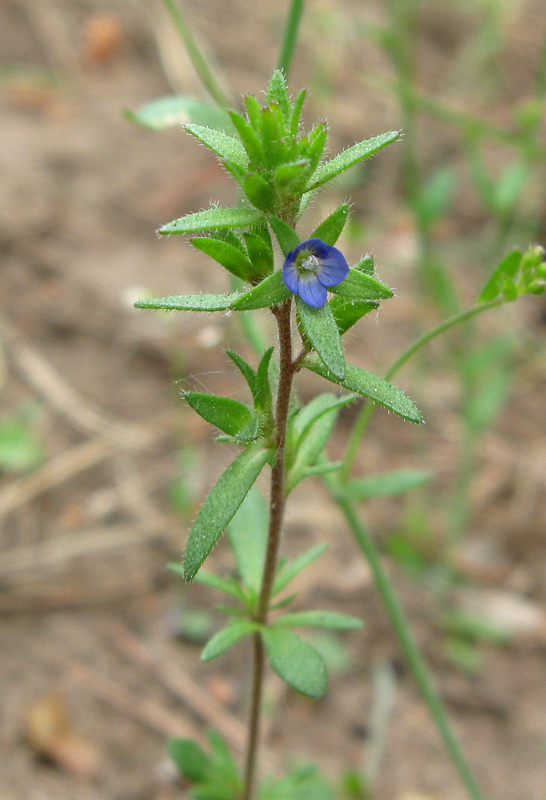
point(166, 112)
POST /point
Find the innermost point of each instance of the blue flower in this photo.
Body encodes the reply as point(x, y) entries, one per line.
point(311, 267)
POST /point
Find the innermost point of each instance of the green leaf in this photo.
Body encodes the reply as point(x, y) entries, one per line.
point(267, 293)
point(248, 539)
point(293, 568)
point(253, 110)
point(348, 312)
point(221, 505)
point(225, 146)
point(20, 450)
point(191, 760)
point(319, 326)
point(507, 268)
point(296, 662)
point(166, 112)
point(227, 637)
point(275, 148)
point(286, 236)
point(247, 371)
point(278, 93)
point(296, 112)
point(223, 412)
point(249, 138)
point(366, 265)
point(213, 218)
point(191, 302)
point(229, 586)
point(315, 409)
point(225, 254)
point(260, 252)
point(360, 286)
point(264, 399)
point(372, 386)
point(330, 229)
point(290, 172)
point(350, 157)
point(387, 484)
point(310, 447)
point(259, 191)
point(320, 469)
point(318, 619)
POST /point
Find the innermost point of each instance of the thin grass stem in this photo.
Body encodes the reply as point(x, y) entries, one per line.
point(290, 36)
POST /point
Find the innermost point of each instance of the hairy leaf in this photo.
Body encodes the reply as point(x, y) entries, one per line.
point(286, 236)
point(330, 229)
point(319, 326)
point(225, 413)
point(248, 538)
point(229, 256)
point(360, 286)
point(191, 302)
point(223, 145)
point(350, 157)
point(213, 218)
point(227, 637)
point(221, 504)
point(295, 661)
point(318, 619)
point(372, 386)
point(267, 293)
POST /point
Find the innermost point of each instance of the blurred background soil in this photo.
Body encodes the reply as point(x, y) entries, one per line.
point(99, 648)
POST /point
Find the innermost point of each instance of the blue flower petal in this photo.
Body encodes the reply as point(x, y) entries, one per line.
point(290, 273)
point(333, 268)
point(312, 292)
point(315, 246)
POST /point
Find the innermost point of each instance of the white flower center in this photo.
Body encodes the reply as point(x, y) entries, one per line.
point(310, 263)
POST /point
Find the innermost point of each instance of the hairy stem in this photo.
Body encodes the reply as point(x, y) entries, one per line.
point(276, 511)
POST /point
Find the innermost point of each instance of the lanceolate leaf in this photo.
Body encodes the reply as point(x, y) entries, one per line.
point(277, 93)
point(347, 312)
point(387, 483)
point(319, 619)
point(361, 286)
point(226, 413)
point(225, 254)
point(227, 637)
point(373, 386)
point(191, 302)
point(213, 218)
point(316, 408)
point(248, 372)
point(329, 230)
point(248, 538)
point(267, 293)
point(322, 332)
point(349, 157)
point(294, 567)
point(223, 145)
point(191, 760)
point(221, 505)
point(286, 236)
point(296, 662)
